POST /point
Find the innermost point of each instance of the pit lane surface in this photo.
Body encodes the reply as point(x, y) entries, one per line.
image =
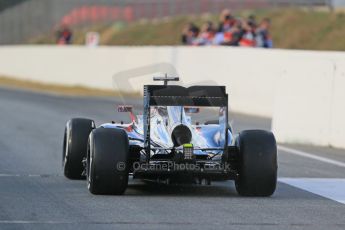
point(35, 195)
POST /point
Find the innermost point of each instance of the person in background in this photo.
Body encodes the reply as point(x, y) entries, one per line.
point(207, 34)
point(190, 34)
point(251, 21)
point(234, 35)
point(263, 37)
point(64, 35)
point(248, 38)
point(226, 21)
point(224, 26)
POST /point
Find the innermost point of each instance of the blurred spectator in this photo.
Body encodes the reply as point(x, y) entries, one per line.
point(252, 21)
point(63, 35)
point(207, 34)
point(248, 34)
point(234, 35)
point(189, 34)
point(263, 37)
point(226, 21)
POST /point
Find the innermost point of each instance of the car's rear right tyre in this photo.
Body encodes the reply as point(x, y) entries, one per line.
point(257, 163)
point(107, 161)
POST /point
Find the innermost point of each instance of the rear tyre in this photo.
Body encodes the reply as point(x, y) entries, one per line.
point(74, 146)
point(107, 161)
point(257, 163)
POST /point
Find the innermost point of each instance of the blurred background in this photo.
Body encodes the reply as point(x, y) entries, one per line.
point(296, 24)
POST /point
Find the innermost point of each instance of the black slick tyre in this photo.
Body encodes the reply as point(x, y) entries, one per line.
point(107, 161)
point(75, 145)
point(257, 163)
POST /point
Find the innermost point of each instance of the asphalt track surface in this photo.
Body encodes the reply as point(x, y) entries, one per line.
point(35, 195)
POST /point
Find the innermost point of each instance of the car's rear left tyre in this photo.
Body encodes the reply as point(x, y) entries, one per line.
point(74, 146)
point(257, 163)
point(107, 161)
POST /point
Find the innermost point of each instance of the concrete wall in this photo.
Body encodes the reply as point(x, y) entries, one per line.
point(302, 91)
point(303, 102)
point(248, 74)
point(309, 103)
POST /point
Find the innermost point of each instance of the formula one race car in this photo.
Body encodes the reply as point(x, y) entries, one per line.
point(174, 141)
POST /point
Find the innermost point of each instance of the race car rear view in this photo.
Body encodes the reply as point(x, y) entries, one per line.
point(183, 136)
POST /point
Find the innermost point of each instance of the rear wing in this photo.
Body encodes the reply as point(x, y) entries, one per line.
point(173, 95)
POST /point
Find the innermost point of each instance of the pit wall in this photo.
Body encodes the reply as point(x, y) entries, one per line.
point(303, 91)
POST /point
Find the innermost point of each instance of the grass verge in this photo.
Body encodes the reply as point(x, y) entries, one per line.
point(77, 90)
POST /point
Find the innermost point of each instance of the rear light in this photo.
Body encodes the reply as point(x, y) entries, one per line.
point(188, 151)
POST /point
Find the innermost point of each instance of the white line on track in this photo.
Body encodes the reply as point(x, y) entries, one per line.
point(8, 175)
point(26, 175)
point(331, 188)
point(311, 156)
point(32, 222)
point(19, 175)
